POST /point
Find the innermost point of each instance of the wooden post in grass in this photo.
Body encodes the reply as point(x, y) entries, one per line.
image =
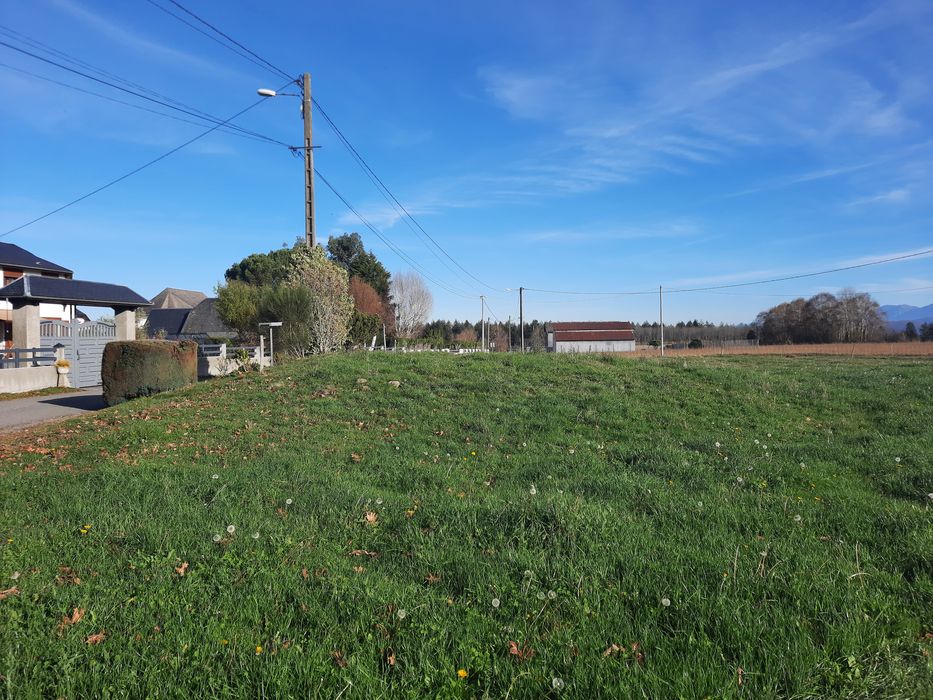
point(262, 351)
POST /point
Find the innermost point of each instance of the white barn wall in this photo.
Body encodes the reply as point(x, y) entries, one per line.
point(596, 346)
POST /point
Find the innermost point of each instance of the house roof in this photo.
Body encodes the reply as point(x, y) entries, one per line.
point(590, 326)
point(571, 336)
point(203, 319)
point(171, 298)
point(66, 291)
point(168, 320)
point(13, 256)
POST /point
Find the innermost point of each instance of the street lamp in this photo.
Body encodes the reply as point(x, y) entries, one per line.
point(271, 324)
point(305, 96)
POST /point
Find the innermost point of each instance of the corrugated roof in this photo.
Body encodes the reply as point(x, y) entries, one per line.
point(571, 336)
point(13, 256)
point(65, 291)
point(591, 326)
point(171, 298)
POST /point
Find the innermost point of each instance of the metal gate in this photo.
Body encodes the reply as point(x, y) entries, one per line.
point(84, 346)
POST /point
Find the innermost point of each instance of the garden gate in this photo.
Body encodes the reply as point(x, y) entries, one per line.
point(84, 346)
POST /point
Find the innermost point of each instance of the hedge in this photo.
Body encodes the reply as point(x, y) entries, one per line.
point(133, 368)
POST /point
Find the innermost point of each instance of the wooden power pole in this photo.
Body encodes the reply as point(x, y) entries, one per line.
point(310, 235)
point(521, 315)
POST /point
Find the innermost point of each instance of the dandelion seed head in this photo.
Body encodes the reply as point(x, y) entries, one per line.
point(216, 538)
point(552, 595)
point(739, 479)
point(897, 459)
point(557, 683)
point(215, 476)
point(541, 595)
point(700, 504)
point(288, 501)
point(797, 518)
point(496, 603)
point(255, 535)
point(231, 529)
point(717, 445)
point(666, 602)
point(402, 613)
point(378, 501)
point(533, 491)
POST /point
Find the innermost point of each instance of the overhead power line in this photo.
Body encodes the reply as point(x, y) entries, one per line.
point(132, 172)
point(232, 132)
point(380, 185)
point(203, 21)
point(800, 275)
point(404, 256)
point(115, 86)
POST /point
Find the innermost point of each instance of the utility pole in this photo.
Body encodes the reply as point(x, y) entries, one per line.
point(482, 324)
point(661, 314)
point(310, 236)
point(521, 315)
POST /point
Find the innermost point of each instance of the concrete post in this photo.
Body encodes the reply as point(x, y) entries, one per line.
point(25, 325)
point(126, 323)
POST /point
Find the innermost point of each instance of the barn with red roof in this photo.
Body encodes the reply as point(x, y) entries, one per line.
point(590, 336)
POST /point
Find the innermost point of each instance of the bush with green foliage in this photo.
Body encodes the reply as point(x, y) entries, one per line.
point(363, 327)
point(133, 368)
point(695, 344)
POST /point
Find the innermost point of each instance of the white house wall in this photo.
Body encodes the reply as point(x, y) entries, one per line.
point(596, 346)
point(46, 311)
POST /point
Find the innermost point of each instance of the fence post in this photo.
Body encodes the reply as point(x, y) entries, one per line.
point(262, 351)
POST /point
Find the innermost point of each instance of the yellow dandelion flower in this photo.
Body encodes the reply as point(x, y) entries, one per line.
point(224, 642)
point(258, 650)
point(462, 673)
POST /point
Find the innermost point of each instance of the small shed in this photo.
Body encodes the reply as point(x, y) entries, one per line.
point(590, 336)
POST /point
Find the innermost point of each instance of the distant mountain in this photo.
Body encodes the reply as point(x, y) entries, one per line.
point(898, 315)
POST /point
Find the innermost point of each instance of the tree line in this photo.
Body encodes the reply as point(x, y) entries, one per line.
point(326, 298)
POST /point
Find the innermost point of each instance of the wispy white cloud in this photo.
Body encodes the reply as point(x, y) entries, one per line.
point(679, 228)
point(897, 196)
point(138, 43)
point(790, 92)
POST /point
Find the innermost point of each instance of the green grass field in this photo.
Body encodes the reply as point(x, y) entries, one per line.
point(497, 526)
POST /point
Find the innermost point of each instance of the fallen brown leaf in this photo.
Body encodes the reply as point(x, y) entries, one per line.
point(371, 518)
point(523, 653)
point(338, 658)
point(431, 579)
point(67, 575)
point(304, 573)
point(356, 457)
point(9, 592)
point(96, 638)
point(182, 569)
point(74, 619)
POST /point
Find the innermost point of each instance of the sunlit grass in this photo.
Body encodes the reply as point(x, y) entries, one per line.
point(496, 525)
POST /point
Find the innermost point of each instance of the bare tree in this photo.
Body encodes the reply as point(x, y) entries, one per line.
point(413, 302)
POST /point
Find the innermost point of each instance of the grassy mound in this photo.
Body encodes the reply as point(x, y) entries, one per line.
point(494, 525)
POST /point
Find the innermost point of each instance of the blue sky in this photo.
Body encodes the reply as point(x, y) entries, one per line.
point(587, 146)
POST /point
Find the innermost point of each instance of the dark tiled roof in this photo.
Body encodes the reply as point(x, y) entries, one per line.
point(203, 320)
point(570, 336)
point(591, 326)
point(168, 320)
point(171, 298)
point(65, 291)
point(14, 256)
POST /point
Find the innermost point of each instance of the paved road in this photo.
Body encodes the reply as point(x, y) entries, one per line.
point(21, 413)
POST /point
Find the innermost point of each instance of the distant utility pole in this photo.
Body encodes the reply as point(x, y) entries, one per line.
point(482, 324)
point(509, 327)
point(661, 314)
point(310, 236)
point(521, 315)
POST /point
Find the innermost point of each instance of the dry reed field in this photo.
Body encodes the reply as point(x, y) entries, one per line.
point(851, 349)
